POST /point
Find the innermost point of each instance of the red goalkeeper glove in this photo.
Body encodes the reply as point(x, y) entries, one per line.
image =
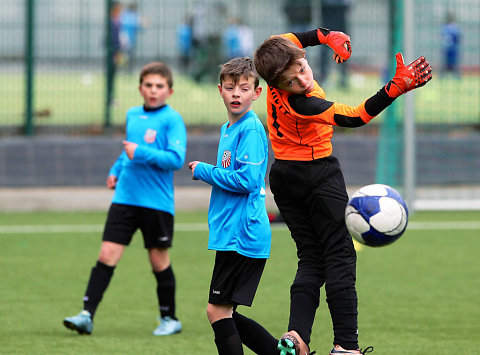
point(409, 77)
point(338, 41)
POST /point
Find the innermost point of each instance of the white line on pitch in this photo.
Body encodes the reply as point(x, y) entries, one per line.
point(198, 227)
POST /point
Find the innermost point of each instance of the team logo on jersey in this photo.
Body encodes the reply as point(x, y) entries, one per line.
point(150, 135)
point(226, 158)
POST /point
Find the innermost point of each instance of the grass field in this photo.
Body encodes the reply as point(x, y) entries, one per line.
point(77, 98)
point(417, 296)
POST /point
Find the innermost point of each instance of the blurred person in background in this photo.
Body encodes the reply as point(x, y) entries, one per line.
point(130, 24)
point(114, 49)
point(299, 14)
point(209, 22)
point(185, 43)
point(334, 14)
point(451, 37)
point(237, 40)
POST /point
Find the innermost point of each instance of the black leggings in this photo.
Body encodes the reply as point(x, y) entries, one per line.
point(312, 197)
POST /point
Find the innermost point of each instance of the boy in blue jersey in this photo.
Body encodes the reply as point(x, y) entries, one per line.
point(237, 218)
point(142, 177)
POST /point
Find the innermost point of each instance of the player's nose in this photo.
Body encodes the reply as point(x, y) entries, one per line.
point(303, 82)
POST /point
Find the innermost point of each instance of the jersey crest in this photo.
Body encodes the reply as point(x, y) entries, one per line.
point(226, 158)
point(150, 135)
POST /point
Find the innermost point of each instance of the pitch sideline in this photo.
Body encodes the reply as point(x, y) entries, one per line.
point(199, 227)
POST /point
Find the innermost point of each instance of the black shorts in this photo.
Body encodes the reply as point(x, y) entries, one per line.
point(124, 220)
point(235, 278)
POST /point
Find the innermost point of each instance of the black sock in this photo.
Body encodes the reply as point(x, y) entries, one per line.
point(303, 305)
point(166, 292)
point(227, 338)
point(343, 310)
point(97, 284)
point(254, 336)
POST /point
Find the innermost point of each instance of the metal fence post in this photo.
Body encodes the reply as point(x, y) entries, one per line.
point(389, 146)
point(409, 109)
point(29, 66)
point(108, 66)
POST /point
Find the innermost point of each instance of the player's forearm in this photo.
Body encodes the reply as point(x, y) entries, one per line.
point(314, 37)
point(308, 39)
point(328, 112)
point(117, 166)
point(363, 113)
point(239, 181)
point(165, 159)
point(378, 102)
point(232, 181)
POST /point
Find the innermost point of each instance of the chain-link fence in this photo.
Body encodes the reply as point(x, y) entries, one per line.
point(70, 67)
point(69, 44)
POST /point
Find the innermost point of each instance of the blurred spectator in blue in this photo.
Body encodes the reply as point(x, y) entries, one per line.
point(299, 15)
point(114, 52)
point(451, 45)
point(130, 25)
point(185, 43)
point(237, 40)
point(334, 16)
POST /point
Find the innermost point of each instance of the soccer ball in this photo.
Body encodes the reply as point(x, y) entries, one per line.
point(376, 215)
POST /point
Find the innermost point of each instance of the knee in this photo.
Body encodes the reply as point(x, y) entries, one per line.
point(342, 298)
point(213, 313)
point(308, 288)
point(217, 312)
point(110, 253)
point(159, 259)
point(210, 312)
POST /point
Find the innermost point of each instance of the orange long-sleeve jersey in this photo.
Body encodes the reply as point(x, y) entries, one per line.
point(300, 126)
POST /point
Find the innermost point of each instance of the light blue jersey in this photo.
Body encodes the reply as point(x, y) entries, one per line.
point(147, 179)
point(237, 217)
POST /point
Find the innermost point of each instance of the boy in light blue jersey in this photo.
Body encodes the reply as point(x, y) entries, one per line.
point(237, 218)
point(142, 177)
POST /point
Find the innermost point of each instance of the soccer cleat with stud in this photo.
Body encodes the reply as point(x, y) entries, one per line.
point(167, 326)
point(339, 350)
point(82, 323)
point(292, 344)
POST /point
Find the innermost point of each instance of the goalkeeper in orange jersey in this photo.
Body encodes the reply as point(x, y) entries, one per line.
point(307, 182)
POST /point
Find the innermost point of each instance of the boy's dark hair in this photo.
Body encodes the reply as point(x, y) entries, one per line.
point(157, 68)
point(274, 56)
point(237, 68)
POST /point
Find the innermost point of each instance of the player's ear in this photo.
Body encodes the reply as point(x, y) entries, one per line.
point(258, 91)
point(220, 88)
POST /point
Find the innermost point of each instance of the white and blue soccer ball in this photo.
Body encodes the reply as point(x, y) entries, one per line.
point(376, 215)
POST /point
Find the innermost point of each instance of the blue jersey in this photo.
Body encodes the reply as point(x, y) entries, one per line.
point(147, 179)
point(237, 217)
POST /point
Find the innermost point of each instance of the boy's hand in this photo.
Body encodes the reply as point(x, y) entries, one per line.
point(111, 181)
point(130, 148)
point(192, 165)
point(338, 41)
point(414, 75)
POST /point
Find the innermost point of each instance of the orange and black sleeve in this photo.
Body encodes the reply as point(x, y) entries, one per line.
point(314, 106)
